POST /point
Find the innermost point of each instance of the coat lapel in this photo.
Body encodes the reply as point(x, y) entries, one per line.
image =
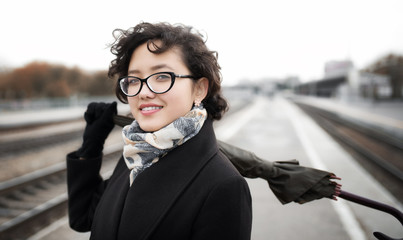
point(156, 189)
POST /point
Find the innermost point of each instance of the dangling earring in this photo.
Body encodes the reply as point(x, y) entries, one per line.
point(197, 103)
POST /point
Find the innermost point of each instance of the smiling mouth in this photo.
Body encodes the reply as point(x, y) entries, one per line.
point(150, 108)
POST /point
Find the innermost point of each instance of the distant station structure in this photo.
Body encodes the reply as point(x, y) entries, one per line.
point(343, 80)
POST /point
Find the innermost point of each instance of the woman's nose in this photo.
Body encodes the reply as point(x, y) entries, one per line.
point(145, 92)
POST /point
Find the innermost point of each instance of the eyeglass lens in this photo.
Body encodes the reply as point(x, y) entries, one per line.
point(158, 83)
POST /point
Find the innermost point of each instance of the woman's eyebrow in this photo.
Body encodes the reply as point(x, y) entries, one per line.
point(160, 66)
point(153, 69)
point(133, 72)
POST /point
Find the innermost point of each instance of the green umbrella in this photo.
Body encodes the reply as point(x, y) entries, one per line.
point(287, 179)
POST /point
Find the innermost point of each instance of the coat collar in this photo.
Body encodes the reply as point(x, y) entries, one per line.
point(156, 189)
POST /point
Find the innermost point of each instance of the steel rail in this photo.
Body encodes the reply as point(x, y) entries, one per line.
point(27, 223)
point(325, 119)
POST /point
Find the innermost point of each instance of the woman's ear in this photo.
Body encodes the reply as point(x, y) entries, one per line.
point(201, 89)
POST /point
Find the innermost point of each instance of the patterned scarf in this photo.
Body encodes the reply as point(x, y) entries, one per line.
point(143, 149)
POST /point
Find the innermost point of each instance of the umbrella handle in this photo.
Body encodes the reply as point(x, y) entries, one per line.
point(372, 204)
point(376, 205)
point(382, 236)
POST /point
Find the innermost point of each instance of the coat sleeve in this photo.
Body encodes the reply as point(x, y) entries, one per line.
point(226, 213)
point(85, 187)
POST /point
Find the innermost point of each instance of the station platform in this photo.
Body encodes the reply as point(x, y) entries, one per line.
point(275, 129)
point(385, 116)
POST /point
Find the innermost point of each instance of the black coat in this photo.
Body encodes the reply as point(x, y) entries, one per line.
point(194, 192)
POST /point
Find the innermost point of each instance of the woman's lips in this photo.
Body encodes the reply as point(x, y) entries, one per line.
point(149, 109)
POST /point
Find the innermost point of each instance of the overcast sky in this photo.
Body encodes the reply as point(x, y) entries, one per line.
point(254, 39)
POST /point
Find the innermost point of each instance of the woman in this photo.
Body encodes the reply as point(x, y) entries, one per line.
point(172, 181)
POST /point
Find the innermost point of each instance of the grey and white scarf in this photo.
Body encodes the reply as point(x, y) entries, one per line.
point(143, 149)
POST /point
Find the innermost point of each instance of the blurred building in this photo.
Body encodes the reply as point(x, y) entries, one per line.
point(342, 80)
point(338, 68)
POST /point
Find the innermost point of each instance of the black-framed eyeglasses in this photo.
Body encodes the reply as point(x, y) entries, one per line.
point(160, 82)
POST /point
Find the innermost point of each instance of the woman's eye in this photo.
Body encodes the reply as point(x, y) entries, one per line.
point(133, 81)
point(163, 77)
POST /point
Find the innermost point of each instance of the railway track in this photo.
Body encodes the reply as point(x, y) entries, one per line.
point(21, 146)
point(379, 153)
point(31, 202)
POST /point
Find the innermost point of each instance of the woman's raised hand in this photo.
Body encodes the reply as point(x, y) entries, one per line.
point(99, 119)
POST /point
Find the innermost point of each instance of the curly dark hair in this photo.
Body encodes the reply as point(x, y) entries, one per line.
point(197, 57)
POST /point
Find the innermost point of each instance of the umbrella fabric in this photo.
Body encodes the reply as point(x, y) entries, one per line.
point(287, 179)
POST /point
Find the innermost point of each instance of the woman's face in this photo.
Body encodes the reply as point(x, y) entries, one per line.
point(154, 111)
